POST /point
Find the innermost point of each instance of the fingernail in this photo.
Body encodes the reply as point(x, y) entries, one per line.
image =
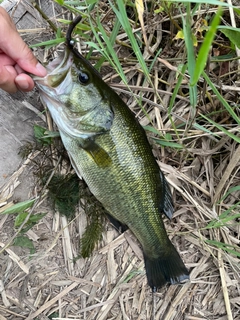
point(22, 83)
point(41, 70)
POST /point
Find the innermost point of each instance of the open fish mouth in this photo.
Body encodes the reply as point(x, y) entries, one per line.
point(57, 72)
point(58, 82)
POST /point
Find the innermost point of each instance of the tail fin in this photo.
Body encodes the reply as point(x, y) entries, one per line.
point(168, 268)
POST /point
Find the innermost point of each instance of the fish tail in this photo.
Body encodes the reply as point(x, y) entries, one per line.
point(167, 268)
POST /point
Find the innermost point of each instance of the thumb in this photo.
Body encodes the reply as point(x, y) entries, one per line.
point(28, 62)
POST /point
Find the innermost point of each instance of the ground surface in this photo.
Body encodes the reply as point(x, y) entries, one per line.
point(16, 129)
point(111, 284)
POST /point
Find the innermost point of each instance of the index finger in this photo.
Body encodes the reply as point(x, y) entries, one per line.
point(12, 45)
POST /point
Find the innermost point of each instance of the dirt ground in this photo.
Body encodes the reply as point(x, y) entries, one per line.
point(16, 115)
point(16, 128)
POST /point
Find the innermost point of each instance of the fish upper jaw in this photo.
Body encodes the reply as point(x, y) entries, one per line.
point(49, 87)
point(58, 79)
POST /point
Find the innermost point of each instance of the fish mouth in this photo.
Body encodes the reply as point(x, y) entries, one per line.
point(57, 82)
point(57, 71)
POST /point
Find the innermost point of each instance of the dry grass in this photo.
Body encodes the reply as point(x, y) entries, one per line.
point(111, 284)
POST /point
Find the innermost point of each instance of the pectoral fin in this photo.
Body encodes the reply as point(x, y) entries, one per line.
point(97, 153)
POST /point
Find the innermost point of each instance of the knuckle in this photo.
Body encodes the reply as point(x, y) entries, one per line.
point(28, 53)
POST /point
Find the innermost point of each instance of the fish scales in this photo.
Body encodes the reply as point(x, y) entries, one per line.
point(109, 149)
point(133, 175)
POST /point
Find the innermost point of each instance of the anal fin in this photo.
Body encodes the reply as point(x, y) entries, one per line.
point(117, 224)
point(166, 201)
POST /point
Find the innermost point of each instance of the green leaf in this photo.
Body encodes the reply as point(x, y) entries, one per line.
point(33, 219)
point(168, 144)
point(224, 218)
point(166, 140)
point(233, 34)
point(59, 33)
point(109, 47)
point(190, 55)
point(205, 47)
point(80, 26)
point(152, 129)
point(20, 218)
point(221, 99)
point(36, 217)
point(95, 46)
point(211, 2)
point(225, 246)
point(222, 129)
point(61, 2)
point(121, 15)
point(19, 207)
point(39, 133)
point(180, 75)
point(24, 242)
point(109, 42)
point(51, 134)
point(52, 42)
point(231, 190)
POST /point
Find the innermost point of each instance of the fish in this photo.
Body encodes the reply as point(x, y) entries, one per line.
point(109, 149)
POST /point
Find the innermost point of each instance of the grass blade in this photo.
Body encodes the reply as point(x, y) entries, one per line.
point(190, 55)
point(205, 47)
point(221, 99)
point(122, 17)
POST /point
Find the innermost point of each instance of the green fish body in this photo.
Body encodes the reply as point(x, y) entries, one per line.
point(109, 149)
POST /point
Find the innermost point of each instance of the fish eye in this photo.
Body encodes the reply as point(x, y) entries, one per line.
point(83, 77)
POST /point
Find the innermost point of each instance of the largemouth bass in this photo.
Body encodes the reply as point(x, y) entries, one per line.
point(109, 149)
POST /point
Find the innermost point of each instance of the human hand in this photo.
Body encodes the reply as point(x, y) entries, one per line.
point(16, 58)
